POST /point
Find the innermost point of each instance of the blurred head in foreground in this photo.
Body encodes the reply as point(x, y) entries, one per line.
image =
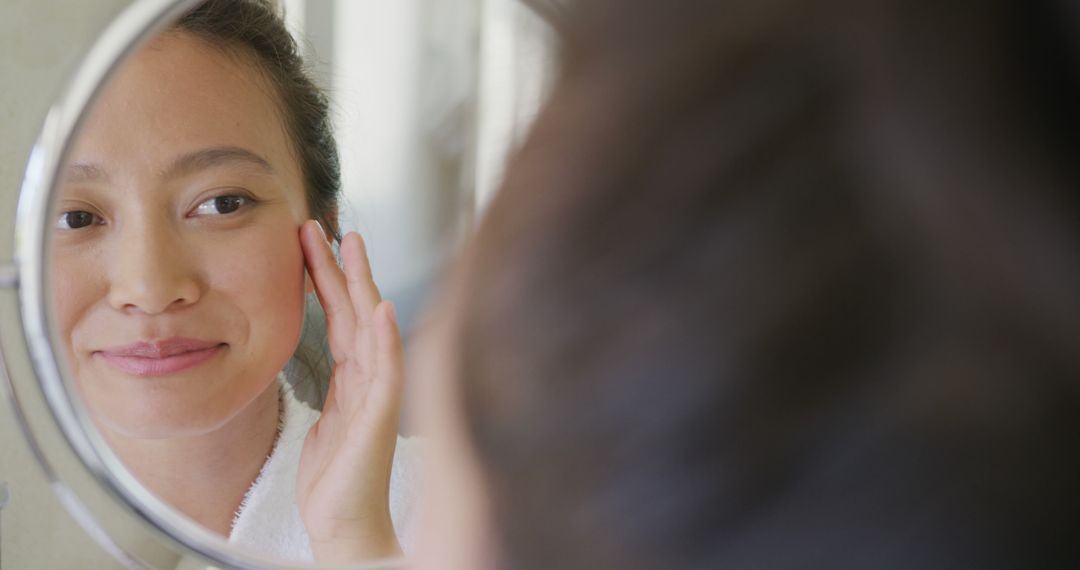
point(780, 284)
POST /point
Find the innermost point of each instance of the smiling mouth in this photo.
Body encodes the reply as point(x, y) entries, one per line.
point(160, 358)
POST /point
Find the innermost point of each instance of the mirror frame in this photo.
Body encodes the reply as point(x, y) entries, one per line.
point(121, 515)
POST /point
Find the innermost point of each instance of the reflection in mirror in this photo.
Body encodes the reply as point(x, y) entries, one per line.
point(195, 245)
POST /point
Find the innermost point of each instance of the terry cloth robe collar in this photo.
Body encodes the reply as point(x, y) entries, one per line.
point(268, 521)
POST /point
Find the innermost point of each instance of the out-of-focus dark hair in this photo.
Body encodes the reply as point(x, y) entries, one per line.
point(779, 284)
point(254, 30)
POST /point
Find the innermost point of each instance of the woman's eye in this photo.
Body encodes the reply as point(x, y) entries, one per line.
point(76, 219)
point(221, 205)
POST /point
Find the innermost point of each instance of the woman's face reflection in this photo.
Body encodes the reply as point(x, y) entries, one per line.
point(176, 234)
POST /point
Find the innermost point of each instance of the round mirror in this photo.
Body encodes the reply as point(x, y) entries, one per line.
point(218, 349)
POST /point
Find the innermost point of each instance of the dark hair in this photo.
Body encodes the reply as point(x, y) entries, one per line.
point(254, 29)
point(787, 284)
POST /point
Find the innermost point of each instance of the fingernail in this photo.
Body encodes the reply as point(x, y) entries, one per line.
point(321, 229)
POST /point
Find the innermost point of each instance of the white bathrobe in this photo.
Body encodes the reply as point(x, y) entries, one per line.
point(268, 520)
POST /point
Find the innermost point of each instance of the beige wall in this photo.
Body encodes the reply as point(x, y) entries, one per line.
point(40, 43)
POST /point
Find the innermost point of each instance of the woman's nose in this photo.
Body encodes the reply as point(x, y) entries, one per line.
point(149, 273)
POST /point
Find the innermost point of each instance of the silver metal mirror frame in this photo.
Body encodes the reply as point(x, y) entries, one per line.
point(135, 25)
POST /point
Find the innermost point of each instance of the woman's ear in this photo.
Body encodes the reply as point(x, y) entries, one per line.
point(309, 285)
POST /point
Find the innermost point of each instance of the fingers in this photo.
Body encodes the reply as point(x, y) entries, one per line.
point(349, 297)
point(390, 359)
point(365, 295)
point(331, 288)
point(383, 400)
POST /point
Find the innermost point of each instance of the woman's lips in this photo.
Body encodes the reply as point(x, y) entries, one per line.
point(160, 358)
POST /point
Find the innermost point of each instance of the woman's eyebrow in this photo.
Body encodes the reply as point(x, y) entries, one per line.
point(187, 164)
point(84, 172)
point(215, 156)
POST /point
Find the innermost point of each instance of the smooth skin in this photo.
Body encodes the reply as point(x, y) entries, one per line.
point(146, 250)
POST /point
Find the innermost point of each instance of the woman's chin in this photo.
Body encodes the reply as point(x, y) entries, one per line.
point(175, 408)
point(154, 424)
point(171, 414)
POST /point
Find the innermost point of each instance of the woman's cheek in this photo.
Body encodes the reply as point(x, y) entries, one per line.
point(265, 279)
point(74, 286)
point(266, 261)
